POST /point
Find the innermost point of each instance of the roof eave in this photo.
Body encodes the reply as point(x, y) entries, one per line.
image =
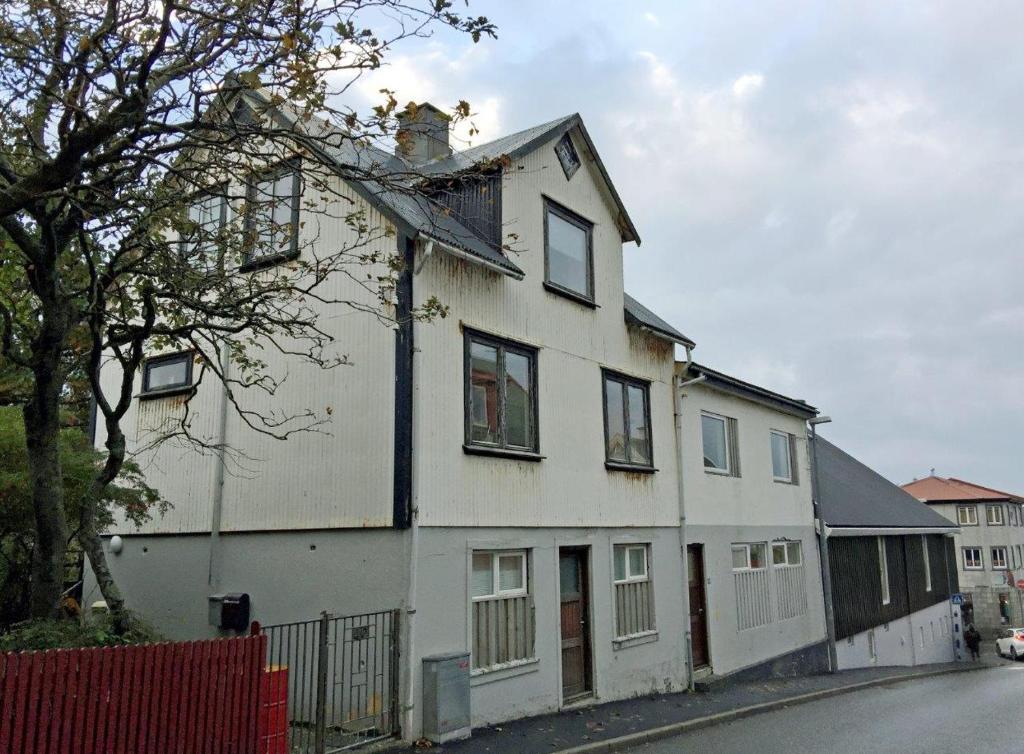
point(725, 384)
point(515, 274)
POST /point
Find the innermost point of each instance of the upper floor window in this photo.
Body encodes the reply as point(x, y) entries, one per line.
point(998, 558)
point(273, 214)
point(967, 515)
point(1012, 514)
point(567, 157)
point(627, 421)
point(718, 434)
point(207, 215)
point(568, 253)
point(994, 515)
point(501, 394)
point(972, 558)
point(164, 373)
point(783, 457)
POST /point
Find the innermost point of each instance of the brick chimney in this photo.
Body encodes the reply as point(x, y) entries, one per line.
point(422, 134)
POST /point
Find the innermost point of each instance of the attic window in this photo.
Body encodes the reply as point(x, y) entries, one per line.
point(567, 156)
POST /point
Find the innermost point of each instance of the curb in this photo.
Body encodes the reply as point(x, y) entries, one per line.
point(666, 731)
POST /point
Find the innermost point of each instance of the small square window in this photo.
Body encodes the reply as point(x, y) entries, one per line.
point(748, 556)
point(498, 574)
point(785, 553)
point(630, 563)
point(567, 156)
point(165, 373)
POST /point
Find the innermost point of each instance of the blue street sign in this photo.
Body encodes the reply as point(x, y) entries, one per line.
point(957, 599)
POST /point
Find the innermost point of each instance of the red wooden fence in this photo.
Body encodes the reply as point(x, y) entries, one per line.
point(199, 697)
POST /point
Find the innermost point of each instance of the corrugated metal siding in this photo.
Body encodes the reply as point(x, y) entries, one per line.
point(339, 476)
point(753, 601)
point(856, 583)
point(571, 486)
point(791, 591)
point(634, 608)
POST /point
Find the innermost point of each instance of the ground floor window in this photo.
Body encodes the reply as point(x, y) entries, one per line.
point(790, 578)
point(751, 583)
point(502, 608)
point(634, 597)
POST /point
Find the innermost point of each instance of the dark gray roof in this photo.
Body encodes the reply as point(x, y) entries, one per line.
point(639, 315)
point(394, 195)
point(854, 496)
point(727, 384)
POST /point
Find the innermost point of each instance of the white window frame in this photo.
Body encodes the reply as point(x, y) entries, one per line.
point(496, 591)
point(971, 519)
point(883, 570)
point(980, 560)
point(785, 545)
point(788, 439)
point(1000, 517)
point(727, 471)
point(997, 561)
point(746, 547)
point(631, 577)
point(927, 563)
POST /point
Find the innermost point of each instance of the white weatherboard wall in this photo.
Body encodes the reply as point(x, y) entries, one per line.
point(922, 638)
point(722, 510)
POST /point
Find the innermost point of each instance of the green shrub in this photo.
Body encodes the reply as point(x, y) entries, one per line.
point(95, 631)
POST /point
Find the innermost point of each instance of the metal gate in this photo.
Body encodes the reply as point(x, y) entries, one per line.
point(342, 679)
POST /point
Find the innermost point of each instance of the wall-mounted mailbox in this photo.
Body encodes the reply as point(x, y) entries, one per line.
point(229, 611)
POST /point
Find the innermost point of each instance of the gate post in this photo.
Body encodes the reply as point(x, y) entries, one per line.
point(320, 730)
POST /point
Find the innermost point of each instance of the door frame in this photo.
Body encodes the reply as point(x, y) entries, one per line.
point(699, 551)
point(586, 551)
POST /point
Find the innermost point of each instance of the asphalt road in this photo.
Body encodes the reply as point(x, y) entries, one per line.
point(978, 711)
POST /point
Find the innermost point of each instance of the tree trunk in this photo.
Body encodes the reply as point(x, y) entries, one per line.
point(42, 440)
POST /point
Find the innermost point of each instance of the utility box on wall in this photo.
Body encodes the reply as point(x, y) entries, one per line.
point(229, 611)
point(446, 697)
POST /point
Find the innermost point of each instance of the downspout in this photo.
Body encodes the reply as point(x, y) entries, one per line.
point(826, 568)
point(677, 402)
point(213, 576)
point(405, 515)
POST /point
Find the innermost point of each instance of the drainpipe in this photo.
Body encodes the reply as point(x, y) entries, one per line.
point(677, 401)
point(213, 576)
point(826, 569)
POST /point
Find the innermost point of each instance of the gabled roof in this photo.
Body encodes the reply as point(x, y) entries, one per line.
point(640, 316)
point(935, 489)
point(517, 144)
point(413, 213)
point(854, 496)
point(734, 386)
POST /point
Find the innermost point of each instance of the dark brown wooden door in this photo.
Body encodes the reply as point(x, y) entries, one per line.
point(698, 605)
point(573, 594)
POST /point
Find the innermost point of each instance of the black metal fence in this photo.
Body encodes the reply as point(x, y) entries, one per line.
point(342, 679)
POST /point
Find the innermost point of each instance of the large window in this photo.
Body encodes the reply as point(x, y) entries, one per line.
point(883, 570)
point(783, 457)
point(162, 374)
point(967, 515)
point(927, 563)
point(568, 253)
point(718, 435)
point(634, 600)
point(998, 558)
point(994, 515)
point(200, 239)
point(273, 213)
point(972, 559)
point(501, 394)
point(627, 421)
point(502, 608)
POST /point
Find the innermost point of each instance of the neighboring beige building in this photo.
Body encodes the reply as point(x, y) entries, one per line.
point(989, 547)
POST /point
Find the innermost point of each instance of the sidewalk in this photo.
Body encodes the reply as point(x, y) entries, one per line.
point(603, 723)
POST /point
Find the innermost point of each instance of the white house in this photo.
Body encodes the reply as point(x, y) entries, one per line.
point(505, 476)
point(755, 591)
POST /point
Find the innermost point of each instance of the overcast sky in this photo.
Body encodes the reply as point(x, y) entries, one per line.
point(830, 196)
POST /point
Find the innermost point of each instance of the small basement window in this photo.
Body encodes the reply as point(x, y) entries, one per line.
point(165, 373)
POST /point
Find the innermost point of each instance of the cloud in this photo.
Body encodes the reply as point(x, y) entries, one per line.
point(652, 19)
point(747, 85)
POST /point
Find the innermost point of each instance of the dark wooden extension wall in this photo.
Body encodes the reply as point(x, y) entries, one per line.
point(857, 582)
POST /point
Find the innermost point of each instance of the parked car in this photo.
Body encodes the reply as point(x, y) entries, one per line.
point(1011, 643)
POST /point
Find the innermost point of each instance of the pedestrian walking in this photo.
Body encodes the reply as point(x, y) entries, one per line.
point(973, 641)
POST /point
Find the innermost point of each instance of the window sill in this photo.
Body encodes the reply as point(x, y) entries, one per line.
point(617, 466)
point(517, 455)
point(571, 295)
point(481, 676)
point(166, 393)
point(718, 472)
point(790, 482)
point(634, 640)
point(270, 260)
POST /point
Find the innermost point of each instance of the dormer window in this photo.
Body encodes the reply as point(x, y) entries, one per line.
point(568, 253)
point(567, 156)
